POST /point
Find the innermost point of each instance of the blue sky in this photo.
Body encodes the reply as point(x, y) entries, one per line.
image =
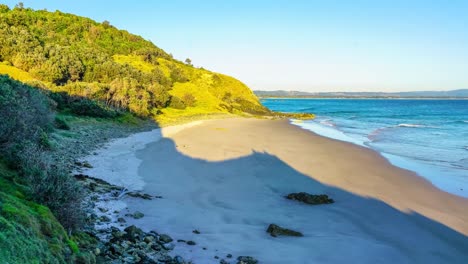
point(327, 45)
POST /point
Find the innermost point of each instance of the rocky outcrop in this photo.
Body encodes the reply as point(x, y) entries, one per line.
point(246, 260)
point(310, 198)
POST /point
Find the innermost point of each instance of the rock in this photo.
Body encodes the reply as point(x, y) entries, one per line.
point(191, 243)
point(103, 210)
point(310, 198)
point(275, 230)
point(116, 249)
point(196, 232)
point(104, 218)
point(149, 239)
point(181, 241)
point(138, 215)
point(222, 261)
point(121, 220)
point(140, 195)
point(97, 251)
point(178, 260)
point(86, 165)
point(133, 233)
point(246, 260)
point(164, 258)
point(165, 238)
point(228, 256)
point(168, 246)
point(156, 247)
point(216, 257)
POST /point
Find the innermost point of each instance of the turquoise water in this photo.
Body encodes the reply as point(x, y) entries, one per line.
point(429, 137)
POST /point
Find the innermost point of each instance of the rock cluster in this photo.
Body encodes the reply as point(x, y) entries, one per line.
point(310, 198)
point(132, 245)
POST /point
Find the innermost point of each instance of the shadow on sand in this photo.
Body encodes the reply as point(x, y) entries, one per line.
point(233, 201)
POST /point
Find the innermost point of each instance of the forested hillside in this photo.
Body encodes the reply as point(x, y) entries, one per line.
point(121, 71)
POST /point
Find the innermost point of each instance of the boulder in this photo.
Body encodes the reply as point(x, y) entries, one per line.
point(133, 233)
point(275, 230)
point(165, 238)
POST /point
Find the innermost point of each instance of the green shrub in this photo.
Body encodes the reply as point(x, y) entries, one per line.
point(28, 113)
point(61, 123)
point(177, 103)
point(189, 99)
point(86, 107)
point(73, 246)
point(51, 185)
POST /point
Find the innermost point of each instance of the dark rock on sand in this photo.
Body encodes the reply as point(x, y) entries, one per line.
point(144, 196)
point(165, 238)
point(136, 215)
point(310, 198)
point(191, 243)
point(246, 260)
point(275, 230)
point(196, 232)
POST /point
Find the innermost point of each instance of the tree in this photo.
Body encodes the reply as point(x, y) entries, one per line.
point(20, 5)
point(188, 61)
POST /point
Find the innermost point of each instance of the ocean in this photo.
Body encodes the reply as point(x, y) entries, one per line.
point(429, 137)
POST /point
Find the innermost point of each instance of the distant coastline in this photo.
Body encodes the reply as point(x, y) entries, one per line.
point(453, 94)
point(362, 97)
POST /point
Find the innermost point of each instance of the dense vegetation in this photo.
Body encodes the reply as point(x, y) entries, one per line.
point(67, 53)
point(34, 191)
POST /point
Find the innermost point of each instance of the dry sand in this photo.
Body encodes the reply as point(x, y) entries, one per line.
point(340, 164)
point(228, 178)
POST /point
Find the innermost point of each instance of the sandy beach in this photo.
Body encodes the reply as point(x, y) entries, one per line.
point(228, 178)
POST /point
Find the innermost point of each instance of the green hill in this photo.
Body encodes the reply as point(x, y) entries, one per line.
point(67, 53)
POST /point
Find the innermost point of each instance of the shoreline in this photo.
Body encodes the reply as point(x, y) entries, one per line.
point(423, 170)
point(206, 147)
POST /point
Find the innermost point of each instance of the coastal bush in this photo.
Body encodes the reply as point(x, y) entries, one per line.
point(61, 123)
point(24, 141)
point(29, 233)
point(82, 106)
point(189, 99)
point(28, 115)
point(51, 185)
point(177, 103)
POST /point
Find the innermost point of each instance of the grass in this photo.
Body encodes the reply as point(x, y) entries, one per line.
point(134, 61)
point(15, 73)
point(29, 233)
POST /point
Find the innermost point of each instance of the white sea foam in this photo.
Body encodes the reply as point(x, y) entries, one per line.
point(411, 125)
point(444, 179)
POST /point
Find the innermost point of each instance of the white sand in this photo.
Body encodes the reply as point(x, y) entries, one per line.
point(227, 178)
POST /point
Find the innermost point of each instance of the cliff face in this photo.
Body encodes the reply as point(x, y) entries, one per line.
point(67, 53)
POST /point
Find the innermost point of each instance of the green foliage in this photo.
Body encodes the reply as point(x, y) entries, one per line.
point(119, 71)
point(73, 246)
point(189, 99)
point(29, 233)
point(177, 103)
point(82, 106)
point(24, 141)
point(61, 123)
point(28, 113)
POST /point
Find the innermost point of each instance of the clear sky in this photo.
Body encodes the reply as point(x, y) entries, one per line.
point(310, 45)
